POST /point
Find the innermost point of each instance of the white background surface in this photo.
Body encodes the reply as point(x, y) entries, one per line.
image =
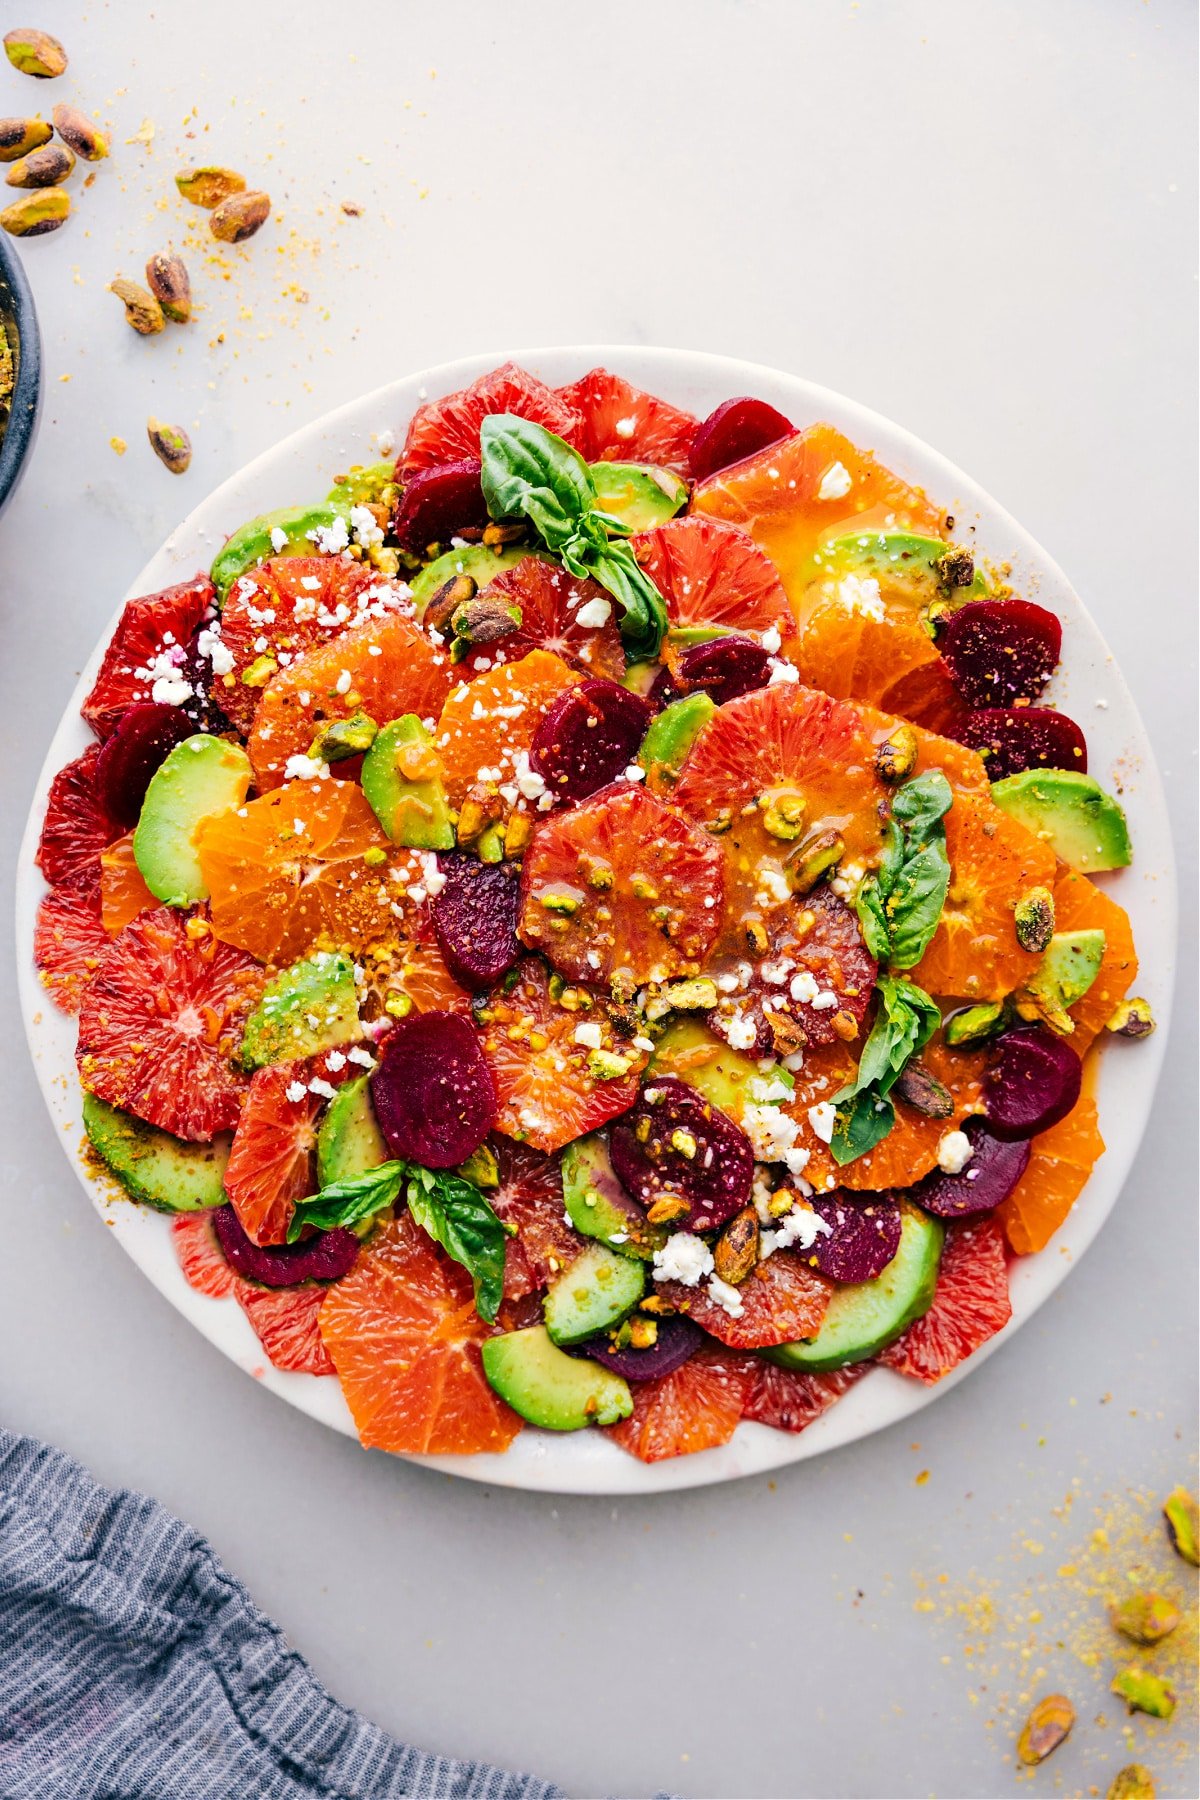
point(979, 220)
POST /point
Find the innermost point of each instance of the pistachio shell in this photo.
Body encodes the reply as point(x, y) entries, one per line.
point(77, 131)
point(239, 217)
point(34, 214)
point(19, 136)
point(35, 53)
point(42, 168)
point(209, 186)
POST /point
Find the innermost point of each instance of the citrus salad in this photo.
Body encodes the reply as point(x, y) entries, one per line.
point(591, 925)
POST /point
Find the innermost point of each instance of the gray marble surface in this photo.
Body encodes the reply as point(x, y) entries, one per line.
point(981, 221)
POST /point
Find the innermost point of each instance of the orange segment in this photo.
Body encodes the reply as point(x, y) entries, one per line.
point(404, 1336)
point(271, 1161)
point(1079, 905)
point(1061, 1161)
point(713, 574)
point(858, 641)
point(123, 893)
point(486, 724)
point(696, 1408)
point(286, 1322)
point(910, 1148)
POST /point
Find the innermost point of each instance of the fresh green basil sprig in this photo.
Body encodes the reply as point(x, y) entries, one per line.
point(529, 473)
point(447, 1206)
point(899, 906)
point(904, 1023)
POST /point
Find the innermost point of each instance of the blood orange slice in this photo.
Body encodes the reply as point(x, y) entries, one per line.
point(696, 1407)
point(530, 1196)
point(286, 1322)
point(200, 1255)
point(928, 697)
point(713, 574)
point(1060, 1162)
point(161, 1021)
point(550, 600)
point(621, 886)
point(151, 627)
point(123, 893)
point(910, 1148)
point(1079, 905)
point(546, 1092)
point(784, 1299)
point(970, 1305)
point(69, 938)
point(623, 424)
point(77, 826)
point(271, 1163)
point(447, 430)
point(487, 727)
point(404, 1337)
point(790, 1399)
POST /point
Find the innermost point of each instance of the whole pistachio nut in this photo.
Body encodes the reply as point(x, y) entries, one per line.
point(1133, 1782)
point(142, 310)
point(1183, 1523)
point(78, 133)
point(1143, 1692)
point(35, 214)
point(923, 1091)
point(1132, 1019)
point(1033, 918)
point(209, 186)
point(1048, 1726)
point(35, 52)
point(19, 136)
point(1145, 1618)
point(42, 168)
point(239, 217)
point(736, 1251)
point(171, 444)
point(896, 757)
point(167, 279)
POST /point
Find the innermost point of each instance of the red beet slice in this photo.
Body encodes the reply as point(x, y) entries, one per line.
point(1031, 1082)
point(999, 651)
point(130, 756)
point(993, 1172)
point(204, 710)
point(864, 1236)
point(437, 504)
point(588, 737)
point(678, 1339)
point(326, 1257)
point(662, 690)
point(674, 1141)
point(1013, 738)
point(738, 428)
point(724, 668)
point(475, 918)
point(432, 1091)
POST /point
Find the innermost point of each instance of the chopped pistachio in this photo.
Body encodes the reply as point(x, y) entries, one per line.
point(510, 532)
point(696, 995)
point(1048, 1726)
point(481, 1168)
point(343, 738)
point(955, 569)
point(1132, 1019)
point(259, 672)
point(643, 1333)
point(896, 757)
point(565, 904)
point(444, 602)
point(812, 859)
point(1143, 1692)
point(1033, 918)
point(397, 1005)
point(783, 814)
point(923, 1091)
point(517, 833)
point(975, 1024)
point(484, 621)
point(1183, 1523)
point(684, 1142)
point(375, 856)
point(489, 846)
point(666, 1208)
point(606, 1065)
point(1145, 1618)
point(1133, 1782)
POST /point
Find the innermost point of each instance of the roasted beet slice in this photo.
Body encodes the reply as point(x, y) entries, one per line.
point(432, 1091)
point(588, 737)
point(203, 707)
point(130, 756)
point(678, 1338)
point(437, 504)
point(662, 690)
point(863, 1238)
point(326, 1257)
point(475, 918)
point(675, 1142)
point(999, 651)
point(1031, 1082)
point(724, 668)
point(993, 1172)
point(736, 429)
point(1013, 738)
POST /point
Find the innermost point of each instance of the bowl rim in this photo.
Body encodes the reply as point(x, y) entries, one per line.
point(26, 403)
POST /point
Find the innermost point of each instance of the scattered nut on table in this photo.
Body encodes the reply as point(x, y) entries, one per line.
point(42, 168)
point(171, 444)
point(167, 279)
point(239, 217)
point(19, 136)
point(78, 133)
point(208, 186)
point(35, 52)
point(34, 214)
point(142, 310)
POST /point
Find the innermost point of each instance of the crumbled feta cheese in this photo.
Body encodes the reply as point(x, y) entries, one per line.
point(801, 1226)
point(860, 594)
point(954, 1152)
point(741, 1031)
point(777, 972)
point(625, 428)
point(209, 643)
point(782, 671)
point(588, 1034)
point(773, 887)
point(342, 684)
point(797, 1161)
point(331, 540)
point(835, 483)
point(324, 1090)
point(845, 882)
point(305, 768)
point(594, 614)
point(822, 1118)
point(363, 525)
point(685, 1258)
point(385, 441)
point(279, 539)
point(335, 1060)
point(635, 772)
point(771, 640)
point(295, 1092)
point(726, 1297)
point(804, 987)
point(771, 1132)
point(360, 1056)
point(645, 1044)
point(824, 1001)
point(171, 690)
point(529, 782)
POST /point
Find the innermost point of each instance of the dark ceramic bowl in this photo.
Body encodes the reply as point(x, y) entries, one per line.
point(21, 327)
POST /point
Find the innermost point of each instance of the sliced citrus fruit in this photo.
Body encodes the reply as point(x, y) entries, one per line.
point(910, 1148)
point(1060, 1162)
point(782, 1300)
point(305, 863)
point(974, 953)
point(790, 1399)
point(384, 668)
point(286, 1322)
point(859, 638)
point(418, 971)
point(621, 886)
point(1079, 905)
point(713, 574)
point(404, 1337)
point(530, 1196)
point(776, 497)
point(161, 1021)
point(77, 826)
point(200, 1255)
point(970, 1304)
point(546, 1091)
point(623, 424)
point(696, 1407)
point(271, 1162)
point(447, 430)
point(928, 697)
point(151, 629)
point(69, 938)
point(550, 601)
point(487, 726)
point(123, 893)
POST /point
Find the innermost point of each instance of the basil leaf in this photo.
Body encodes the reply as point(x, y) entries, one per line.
point(456, 1215)
point(529, 473)
point(349, 1202)
point(900, 905)
point(864, 1122)
point(643, 609)
point(905, 1021)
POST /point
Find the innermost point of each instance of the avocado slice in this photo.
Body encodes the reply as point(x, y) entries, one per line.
point(867, 1316)
point(202, 776)
point(638, 494)
point(670, 737)
point(479, 561)
point(402, 779)
point(1083, 824)
point(362, 485)
point(640, 677)
point(548, 1387)
point(349, 1141)
point(904, 557)
point(598, 1290)
point(688, 1050)
point(598, 1205)
point(251, 543)
point(1069, 965)
point(156, 1168)
point(310, 1007)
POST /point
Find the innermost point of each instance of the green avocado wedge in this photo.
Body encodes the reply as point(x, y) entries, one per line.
point(401, 778)
point(1083, 824)
point(597, 1291)
point(865, 1318)
point(479, 561)
point(548, 1387)
point(670, 737)
point(202, 776)
point(598, 1206)
point(639, 495)
point(349, 1141)
point(363, 484)
point(1070, 964)
point(930, 566)
point(159, 1170)
point(253, 542)
point(309, 1007)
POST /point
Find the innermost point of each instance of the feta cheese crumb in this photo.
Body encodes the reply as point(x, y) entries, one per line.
point(625, 428)
point(331, 540)
point(782, 671)
point(684, 1258)
point(588, 1034)
point(954, 1152)
point(295, 1092)
point(835, 483)
point(279, 539)
point(771, 640)
point(726, 1297)
point(305, 768)
point(741, 1031)
point(366, 531)
point(804, 987)
point(822, 1118)
point(860, 594)
point(362, 1057)
point(594, 614)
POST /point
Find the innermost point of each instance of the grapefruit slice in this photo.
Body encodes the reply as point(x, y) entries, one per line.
point(69, 938)
point(77, 826)
point(549, 599)
point(286, 1322)
point(404, 1336)
point(161, 1021)
point(696, 1407)
point(970, 1304)
point(149, 628)
point(384, 668)
point(790, 1399)
point(621, 885)
point(530, 1196)
point(620, 423)
point(1060, 1162)
point(447, 430)
point(123, 893)
point(713, 574)
point(200, 1255)
point(271, 1163)
point(782, 1300)
point(546, 1094)
point(1079, 905)
point(488, 725)
point(910, 1148)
